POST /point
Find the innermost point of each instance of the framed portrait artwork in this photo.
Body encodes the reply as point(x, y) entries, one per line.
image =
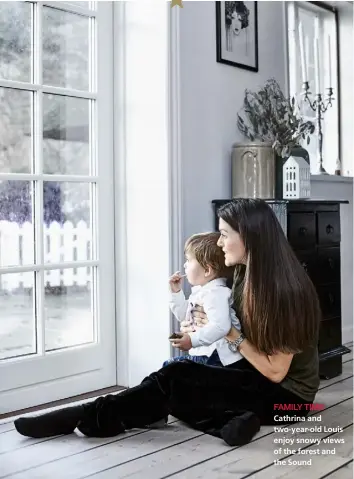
point(237, 34)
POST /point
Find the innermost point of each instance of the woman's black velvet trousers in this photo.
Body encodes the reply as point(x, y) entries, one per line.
point(205, 397)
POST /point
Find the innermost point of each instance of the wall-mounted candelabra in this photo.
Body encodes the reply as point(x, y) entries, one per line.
point(317, 102)
point(320, 105)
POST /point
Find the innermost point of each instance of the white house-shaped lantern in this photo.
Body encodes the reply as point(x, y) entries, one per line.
point(296, 178)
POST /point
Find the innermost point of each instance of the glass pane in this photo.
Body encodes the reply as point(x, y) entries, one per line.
point(15, 130)
point(69, 318)
point(65, 49)
point(16, 229)
point(67, 225)
point(307, 19)
point(17, 325)
point(15, 41)
point(65, 135)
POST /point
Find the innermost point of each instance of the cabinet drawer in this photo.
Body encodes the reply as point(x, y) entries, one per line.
point(328, 228)
point(328, 265)
point(322, 265)
point(309, 261)
point(330, 300)
point(302, 229)
point(330, 334)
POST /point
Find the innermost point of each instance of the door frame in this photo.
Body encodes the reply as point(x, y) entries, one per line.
point(32, 380)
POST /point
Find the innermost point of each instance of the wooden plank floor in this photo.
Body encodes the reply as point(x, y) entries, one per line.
point(182, 453)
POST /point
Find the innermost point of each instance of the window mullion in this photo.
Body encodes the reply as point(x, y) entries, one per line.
point(38, 169)
point(49, 177)
point(293, 68)
point(70, 7)
point(49, 266)
point(94, 199)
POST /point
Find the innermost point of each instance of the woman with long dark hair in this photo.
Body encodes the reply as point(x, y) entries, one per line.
point(279, 312)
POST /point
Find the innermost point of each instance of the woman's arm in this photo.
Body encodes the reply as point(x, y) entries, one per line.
point(274, 367)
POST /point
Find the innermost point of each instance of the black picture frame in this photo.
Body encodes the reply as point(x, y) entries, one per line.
point(224, 56)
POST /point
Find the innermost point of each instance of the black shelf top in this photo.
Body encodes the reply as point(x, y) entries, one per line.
point(311, 201)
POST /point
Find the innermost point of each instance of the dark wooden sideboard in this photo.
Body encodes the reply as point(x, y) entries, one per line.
point(313, 230)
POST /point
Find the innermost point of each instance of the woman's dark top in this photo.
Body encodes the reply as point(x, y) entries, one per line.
point(302, 378)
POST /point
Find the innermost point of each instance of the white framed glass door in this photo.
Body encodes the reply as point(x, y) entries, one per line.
point(57, 301)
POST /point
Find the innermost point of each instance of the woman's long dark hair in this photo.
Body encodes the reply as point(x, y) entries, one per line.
point(280, 310)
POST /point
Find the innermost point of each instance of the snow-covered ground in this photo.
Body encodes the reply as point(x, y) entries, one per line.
point(69, 321)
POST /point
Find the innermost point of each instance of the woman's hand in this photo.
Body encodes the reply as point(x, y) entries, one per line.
point(199, 317)
point(201, 320)
point(187, 326)
point(233, 334)
point(184, 344)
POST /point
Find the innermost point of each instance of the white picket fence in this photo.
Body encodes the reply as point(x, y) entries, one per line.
point(62, 243)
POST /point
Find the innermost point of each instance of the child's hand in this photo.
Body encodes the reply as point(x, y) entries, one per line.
point(184, 343)
point(175, 282)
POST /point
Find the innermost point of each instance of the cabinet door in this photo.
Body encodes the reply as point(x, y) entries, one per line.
point(330, 300)
point(328, 228)
point(330, 335)
point(302, 230)
point(309, 261)
point(328, 265)
point(322, 265)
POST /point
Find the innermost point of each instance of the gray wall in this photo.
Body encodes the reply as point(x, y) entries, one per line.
point(211, 95)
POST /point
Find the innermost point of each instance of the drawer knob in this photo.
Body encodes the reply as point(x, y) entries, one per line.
point(331, 263)
point(302, 231)
point(329, 229)
point(331, 298)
